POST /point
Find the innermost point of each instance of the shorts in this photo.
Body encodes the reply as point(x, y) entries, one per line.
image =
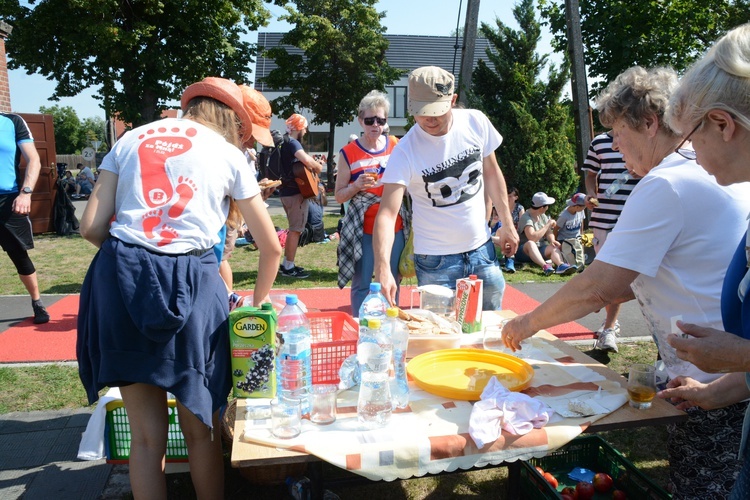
point(521, 256)
point(229, 242)
point(296, 208)
point(16, 228)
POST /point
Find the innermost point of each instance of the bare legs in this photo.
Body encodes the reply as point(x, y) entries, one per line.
point(147, 413)
point(31, 284)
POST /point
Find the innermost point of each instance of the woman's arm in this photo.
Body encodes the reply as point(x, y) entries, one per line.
point(345, 191)
point(100, 209)
point(264, 233)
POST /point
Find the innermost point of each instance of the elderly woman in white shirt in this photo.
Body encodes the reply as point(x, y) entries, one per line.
point(665, 251)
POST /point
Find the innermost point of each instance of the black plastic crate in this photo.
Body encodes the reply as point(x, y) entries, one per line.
point(593, 453)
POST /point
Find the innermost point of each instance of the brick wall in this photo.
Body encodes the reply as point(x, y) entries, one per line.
point(5, 107)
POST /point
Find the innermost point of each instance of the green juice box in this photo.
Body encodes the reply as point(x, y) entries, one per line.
point(252, 338)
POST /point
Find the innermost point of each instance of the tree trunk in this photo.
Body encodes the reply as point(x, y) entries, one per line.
point(330, 183)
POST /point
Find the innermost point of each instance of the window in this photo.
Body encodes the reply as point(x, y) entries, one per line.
point(397, 96)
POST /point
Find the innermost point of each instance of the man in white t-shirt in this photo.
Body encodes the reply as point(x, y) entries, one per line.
point(445, 162)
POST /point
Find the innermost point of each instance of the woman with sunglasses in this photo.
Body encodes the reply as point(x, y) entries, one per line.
point(667, 251)
point(712, 102)
point(361, 165)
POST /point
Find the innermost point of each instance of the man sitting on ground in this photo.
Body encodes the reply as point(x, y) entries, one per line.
point(535, 226)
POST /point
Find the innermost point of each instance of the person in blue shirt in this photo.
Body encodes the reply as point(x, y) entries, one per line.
point(16, 236)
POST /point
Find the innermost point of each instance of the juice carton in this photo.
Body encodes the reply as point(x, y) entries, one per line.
point(252, 339)
point(468, 304)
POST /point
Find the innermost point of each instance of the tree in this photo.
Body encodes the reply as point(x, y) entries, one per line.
point(618, 34)
point(536, 154)
point(344, 58)
point(67, 128)
point(143, 54)
point(95, 129)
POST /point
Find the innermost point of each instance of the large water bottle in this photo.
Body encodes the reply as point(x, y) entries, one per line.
point(617, 184)
point(374, 305)
point(374, 351)
point(293, 360)
point(398, 380)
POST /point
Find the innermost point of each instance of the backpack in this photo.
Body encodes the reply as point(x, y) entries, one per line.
point(269, 158)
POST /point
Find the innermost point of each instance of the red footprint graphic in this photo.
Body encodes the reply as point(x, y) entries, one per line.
point(153, 154)
point(168, 234)
point(186, 188)
point(151, 219)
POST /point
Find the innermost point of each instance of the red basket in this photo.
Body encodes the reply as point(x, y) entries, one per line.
point(334, 338)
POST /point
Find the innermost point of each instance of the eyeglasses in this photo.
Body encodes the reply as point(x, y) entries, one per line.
point(370, 120)
point(685, 152)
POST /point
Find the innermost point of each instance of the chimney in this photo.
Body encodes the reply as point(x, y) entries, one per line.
point(5, 30)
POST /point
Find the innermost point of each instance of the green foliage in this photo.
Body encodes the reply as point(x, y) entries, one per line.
point(536, 154)
point(143, 54)
point(618, 34)
point(68, 136)
point(344, 58)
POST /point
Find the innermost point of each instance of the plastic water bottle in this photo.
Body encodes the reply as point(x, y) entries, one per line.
point(300, 488)
point(374, 305)
point(617, 184)
point(374, 352)
point(294, 355)
point(400, 337)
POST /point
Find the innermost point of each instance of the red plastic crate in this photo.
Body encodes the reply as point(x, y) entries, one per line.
point(334, 338)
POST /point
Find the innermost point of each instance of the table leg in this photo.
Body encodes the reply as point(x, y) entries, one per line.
point(315, 473)
point(514, 480)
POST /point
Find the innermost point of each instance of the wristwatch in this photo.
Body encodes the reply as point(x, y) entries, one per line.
point(26, 190)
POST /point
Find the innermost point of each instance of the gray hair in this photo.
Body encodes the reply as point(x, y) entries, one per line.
point(720, 80)
point(373, 100)
point(636, 93)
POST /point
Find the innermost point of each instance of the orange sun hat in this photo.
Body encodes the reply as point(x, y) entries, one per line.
point(260, 113)
point(226, 92)
point(296, 122)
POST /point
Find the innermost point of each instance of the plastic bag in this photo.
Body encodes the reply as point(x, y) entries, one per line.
point(406, 261)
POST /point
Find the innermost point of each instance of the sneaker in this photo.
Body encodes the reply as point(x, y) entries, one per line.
point(565, 269)
point(548, 269)
point(616, 328)
point(606, 341)
point(295, 272)
point(40, 313)
point(510, 266)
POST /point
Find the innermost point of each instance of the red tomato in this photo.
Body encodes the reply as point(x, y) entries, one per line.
point(550, 479)
point(570, 491)
point(602, 482)
point(539, 470)
point(584, 490)
point(619, 495)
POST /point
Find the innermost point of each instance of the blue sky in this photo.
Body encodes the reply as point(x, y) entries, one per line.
point(403, 17)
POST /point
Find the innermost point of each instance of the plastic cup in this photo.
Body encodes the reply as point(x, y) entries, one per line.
point(641, 385)
point(323, 404)
point(286, 417)
point(493, 338)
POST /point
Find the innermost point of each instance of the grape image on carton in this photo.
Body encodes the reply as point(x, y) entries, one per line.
point(252, 338)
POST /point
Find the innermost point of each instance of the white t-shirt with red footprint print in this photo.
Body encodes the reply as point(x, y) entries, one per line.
point(176, 178)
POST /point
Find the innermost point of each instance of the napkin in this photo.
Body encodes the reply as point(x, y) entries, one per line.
point(92, 439)
point(500, 409)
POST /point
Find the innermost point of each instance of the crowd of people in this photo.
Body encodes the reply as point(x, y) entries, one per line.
point(673, 236)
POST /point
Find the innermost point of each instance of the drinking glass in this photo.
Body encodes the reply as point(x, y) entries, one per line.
point(324, 404)
point(286, 417)
point(641, 385)
point(493, 338)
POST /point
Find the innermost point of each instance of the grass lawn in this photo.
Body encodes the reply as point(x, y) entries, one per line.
point(61, 264)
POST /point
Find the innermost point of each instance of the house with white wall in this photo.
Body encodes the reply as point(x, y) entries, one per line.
point(405, 52)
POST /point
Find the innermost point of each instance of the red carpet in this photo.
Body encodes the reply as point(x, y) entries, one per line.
point(56, 340)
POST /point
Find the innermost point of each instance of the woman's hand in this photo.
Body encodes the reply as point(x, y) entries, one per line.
point(515, 331)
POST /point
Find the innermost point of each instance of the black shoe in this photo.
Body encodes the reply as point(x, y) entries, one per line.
point(295, 272)
point(40, 313)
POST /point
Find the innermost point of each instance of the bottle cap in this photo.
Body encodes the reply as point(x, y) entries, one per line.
point(291, 299)
point(374, 287)
point(373, 323)
point(392, 312)
point(472, 276)
point(267, 306)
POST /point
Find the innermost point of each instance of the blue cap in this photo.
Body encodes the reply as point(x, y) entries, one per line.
point(374, 287)
point(291, 299)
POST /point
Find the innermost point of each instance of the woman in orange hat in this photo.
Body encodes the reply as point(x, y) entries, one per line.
point(153, 312)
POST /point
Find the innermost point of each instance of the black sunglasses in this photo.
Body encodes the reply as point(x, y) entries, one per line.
point(370, 120)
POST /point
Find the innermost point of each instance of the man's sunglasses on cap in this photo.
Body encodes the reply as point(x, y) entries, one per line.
point(370, 120)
